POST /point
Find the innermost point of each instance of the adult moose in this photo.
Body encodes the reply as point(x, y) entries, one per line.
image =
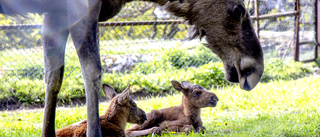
point(225, 23)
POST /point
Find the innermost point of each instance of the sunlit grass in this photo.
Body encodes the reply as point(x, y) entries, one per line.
point(279, 108)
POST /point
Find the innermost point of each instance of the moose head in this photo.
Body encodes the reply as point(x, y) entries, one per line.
point(227, 28)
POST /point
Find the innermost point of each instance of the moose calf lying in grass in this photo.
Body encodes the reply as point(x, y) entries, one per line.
point(122, 109)
point(183, 118)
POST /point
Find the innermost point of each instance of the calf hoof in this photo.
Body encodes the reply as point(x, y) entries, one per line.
point(156, 130)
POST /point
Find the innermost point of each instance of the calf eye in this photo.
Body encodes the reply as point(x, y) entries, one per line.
point(196, 93)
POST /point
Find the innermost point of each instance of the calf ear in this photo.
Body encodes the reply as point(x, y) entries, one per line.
point(124, 96)
point(180, 86)
point(176, 85)
point(108, 91)
point(178, 8)
point(185, 84)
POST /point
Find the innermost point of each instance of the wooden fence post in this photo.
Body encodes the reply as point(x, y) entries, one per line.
point(256, 14)
point(317, 27)
point(297, 29)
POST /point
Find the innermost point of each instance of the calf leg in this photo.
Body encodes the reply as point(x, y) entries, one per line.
point(84, 35)
point(111, 130)
point(54, 38)
point(176, 126)
point(144, 132)
point(148, 127)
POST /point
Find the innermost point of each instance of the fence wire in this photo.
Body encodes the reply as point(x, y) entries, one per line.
point(124, 45)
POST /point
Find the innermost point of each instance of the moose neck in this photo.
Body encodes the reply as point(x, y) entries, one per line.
point(111, 8)
point(189, 109)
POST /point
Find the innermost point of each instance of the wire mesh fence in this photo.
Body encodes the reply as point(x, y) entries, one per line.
point(144, 32)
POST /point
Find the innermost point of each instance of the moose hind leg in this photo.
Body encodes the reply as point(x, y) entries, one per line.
point(91, 72)
point(54, 38)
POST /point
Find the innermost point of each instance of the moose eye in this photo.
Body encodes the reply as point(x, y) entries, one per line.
point(202, 33)
point(238, 11)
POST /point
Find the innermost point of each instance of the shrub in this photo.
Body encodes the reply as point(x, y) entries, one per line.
point(276, 69)
point(150, 67)
point(208, 75)
point(185, 58)
point(317, 62)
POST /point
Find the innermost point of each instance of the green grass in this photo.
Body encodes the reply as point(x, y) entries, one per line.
point(277, 108)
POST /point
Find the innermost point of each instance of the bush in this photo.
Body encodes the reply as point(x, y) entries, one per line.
point(185, 58)
point(317, 62)
point(276, 69)
point(208, 75)
point(150, 67)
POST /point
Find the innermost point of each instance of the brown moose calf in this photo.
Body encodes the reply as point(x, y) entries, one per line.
point(122, 109)
point(182, 118)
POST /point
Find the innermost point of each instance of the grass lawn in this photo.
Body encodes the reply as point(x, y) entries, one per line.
point(278, 108)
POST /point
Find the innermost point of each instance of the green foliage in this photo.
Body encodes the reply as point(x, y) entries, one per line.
point(33, 72)
point(208, 75)
point(185, 58)
point(24, 91)
point(153, 66)
point(152, 76)
point(317, 62)
point(20, 37)
point(276, 69)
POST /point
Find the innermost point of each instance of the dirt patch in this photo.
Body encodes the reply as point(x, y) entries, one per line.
point(13, 104)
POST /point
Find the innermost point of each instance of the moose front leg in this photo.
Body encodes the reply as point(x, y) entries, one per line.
point(54, 38)
point(84, 35)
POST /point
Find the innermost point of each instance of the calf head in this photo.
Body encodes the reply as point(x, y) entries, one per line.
point(196, 95)
point(123, 103)
point(229, 33)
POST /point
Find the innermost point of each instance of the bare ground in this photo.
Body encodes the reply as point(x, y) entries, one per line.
point(13, 104)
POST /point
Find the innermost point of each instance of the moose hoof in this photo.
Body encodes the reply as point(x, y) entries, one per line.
point(202, 129)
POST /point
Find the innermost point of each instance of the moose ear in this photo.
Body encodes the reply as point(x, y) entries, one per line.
point(195, 31)
point(178, 8)
point(124, 96)
point(108, 91)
